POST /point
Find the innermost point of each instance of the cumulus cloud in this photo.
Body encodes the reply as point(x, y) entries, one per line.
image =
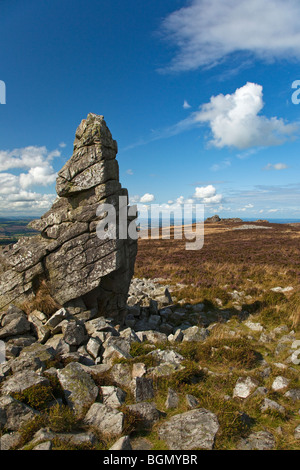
point(147, 198)
point(276, 166)
point(28, 157)
point(207, 195)
point(235, 121)
point(36, 163)
point(206, 32)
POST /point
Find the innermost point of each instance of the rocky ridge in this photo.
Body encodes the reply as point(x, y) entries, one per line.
point(78, 267)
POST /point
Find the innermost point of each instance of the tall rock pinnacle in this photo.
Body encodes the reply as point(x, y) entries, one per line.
point(67, 254)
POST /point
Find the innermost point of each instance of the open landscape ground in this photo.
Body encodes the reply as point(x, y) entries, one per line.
point(236, 305)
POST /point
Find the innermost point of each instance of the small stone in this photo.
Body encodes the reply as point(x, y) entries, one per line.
point(172, 400)
point(280, 383)
point(138, 370)
point(17, 326)
point(9, 441)
point(244, 387)
point(142, 389)
point(147, 413)
point(271, 405)
point(297, 433)
point(177, 337)
point(295, 357)
point(106, 420)
point(113, 397)
point(13, 413)
point(56, 318)
point(93, 347)
point(254, 326)
point(122, 444)
point(195, 429)
point(293, 394)
point(262, 440)
point(22, 381)
point(74, 334)
point(121, 375)
point(44, 446)
point(79, 389)
point(191, 401)
point(195, 333)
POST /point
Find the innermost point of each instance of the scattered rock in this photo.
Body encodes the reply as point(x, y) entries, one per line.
point(191, 401)
point(22, 381)
point(262, 440)
point(122, 444)
point(280, 383)
point(106, 420)
point(142, 388)
point(13, 414)
point(10, 440)
point(297, 433)
point(113, 397)
point(293, 394)
point(79, 389)
point(244, 387)
point(195, 429)
point(254, 326)
point(271, 405)
point(147, 412)
point(172, 400)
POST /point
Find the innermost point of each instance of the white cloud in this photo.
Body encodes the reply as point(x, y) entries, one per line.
point(62, 145)
point(235, 121)
point(186, 105)
point(40, 175)
point(206, 32)
point(207, 195)
point(37, 163)
point(129, 172)
point(8, 183)
point(276, 166)
point(147, 198)
point(28, 157)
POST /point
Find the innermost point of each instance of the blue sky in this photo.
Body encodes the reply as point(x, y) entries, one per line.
point(198, 95)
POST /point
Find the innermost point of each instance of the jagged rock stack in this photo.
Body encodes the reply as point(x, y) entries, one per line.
point(76, 264)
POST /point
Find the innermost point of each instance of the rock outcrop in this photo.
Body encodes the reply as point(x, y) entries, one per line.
point(67, 255)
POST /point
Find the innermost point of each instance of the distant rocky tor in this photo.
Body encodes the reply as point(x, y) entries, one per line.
point(232, 220)
point(77, 266)
point(215, 219)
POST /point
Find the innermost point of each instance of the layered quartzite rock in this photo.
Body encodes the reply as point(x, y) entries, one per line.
point(68, 253)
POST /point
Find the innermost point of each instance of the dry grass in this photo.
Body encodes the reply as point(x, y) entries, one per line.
point(42, 301)
point(251, 261)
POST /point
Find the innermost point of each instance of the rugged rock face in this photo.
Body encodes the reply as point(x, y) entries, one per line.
point(68, 255)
